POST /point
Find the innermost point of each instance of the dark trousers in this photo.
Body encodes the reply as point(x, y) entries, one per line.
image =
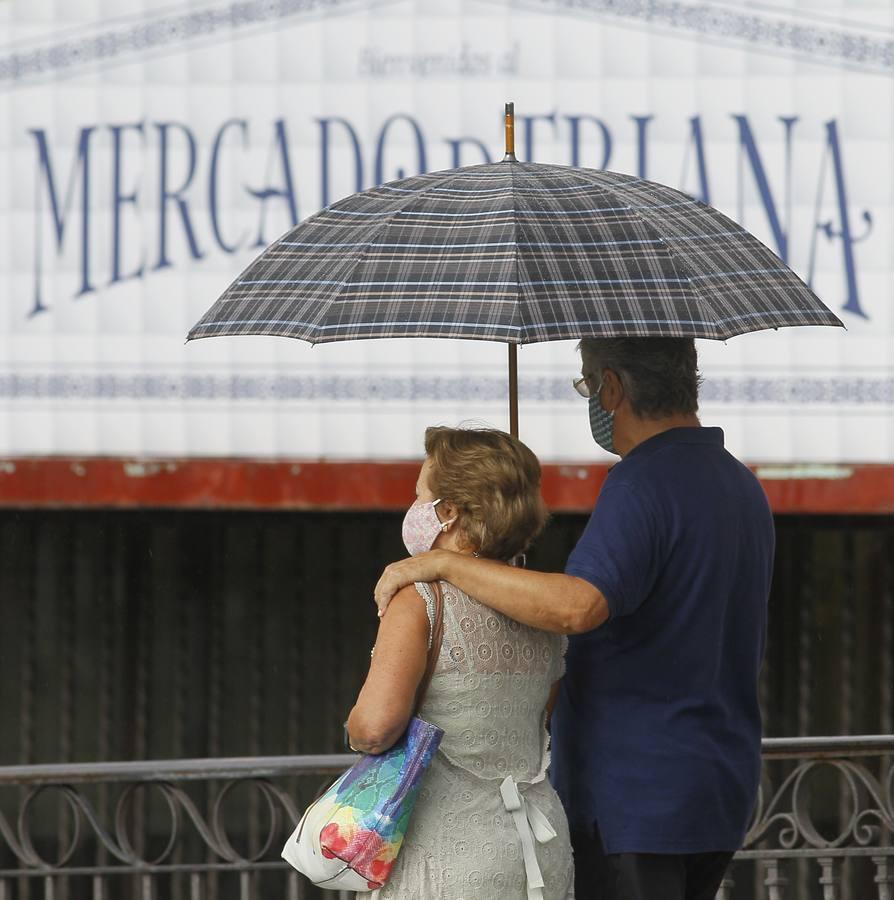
point(643, 876)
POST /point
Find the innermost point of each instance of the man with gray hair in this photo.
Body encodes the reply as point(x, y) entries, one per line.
point(656, 731)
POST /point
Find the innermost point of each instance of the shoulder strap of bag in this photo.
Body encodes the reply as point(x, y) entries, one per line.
point(437, 635)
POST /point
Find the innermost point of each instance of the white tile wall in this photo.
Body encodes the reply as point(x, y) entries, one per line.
point(107, 346)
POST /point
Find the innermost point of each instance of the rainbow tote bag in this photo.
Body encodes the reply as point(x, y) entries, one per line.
point(350, 837)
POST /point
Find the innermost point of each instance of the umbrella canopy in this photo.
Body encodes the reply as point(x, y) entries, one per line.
point(515, 252)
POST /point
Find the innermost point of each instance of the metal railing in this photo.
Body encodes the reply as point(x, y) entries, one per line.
point(211, 829)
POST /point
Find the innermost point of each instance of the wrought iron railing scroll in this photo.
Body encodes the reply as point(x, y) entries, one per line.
point(824, 822)
point(171, 850)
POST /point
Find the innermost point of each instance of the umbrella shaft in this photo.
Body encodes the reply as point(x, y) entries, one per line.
point(513, 390)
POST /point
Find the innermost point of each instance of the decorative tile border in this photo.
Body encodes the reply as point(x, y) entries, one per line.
point(855, 47)
point(747, 391)
point(782, 31)
point(154, 33)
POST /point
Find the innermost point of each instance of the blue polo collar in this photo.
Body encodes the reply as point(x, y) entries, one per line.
point(697, 435)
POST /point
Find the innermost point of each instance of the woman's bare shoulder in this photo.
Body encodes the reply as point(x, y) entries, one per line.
point(408, 603)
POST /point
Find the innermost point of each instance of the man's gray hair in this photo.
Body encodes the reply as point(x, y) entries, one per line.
point(659, 375)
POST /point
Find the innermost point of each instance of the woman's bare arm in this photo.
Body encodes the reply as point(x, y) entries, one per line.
point(387, 699)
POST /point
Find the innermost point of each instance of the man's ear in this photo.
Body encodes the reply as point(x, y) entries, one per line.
point(612, 393)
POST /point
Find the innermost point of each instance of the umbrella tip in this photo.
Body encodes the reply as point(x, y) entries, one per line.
point(510, 133)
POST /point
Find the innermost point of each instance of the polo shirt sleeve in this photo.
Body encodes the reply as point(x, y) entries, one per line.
point(619, 550)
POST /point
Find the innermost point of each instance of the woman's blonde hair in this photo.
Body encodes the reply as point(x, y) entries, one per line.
point(494, 481)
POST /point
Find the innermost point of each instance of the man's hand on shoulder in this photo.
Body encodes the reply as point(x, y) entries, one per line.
point(424, 567)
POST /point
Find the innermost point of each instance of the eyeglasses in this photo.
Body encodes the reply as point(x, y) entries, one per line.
point(582, 386)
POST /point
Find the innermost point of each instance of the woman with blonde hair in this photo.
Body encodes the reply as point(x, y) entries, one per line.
point(487, 823)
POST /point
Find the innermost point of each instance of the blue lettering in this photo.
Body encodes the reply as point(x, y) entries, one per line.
point(641, 125)
point(698, 144)
point(380, 148)
point(213, 181)
point(529, 122)
point(747, 143)
point(119, 199)
point(324, 156)
point(456, 144)
point(64, 198)
point(575, 122)
point(287, 191)
point(843, 232)
point(166, 195)
point(59, 211)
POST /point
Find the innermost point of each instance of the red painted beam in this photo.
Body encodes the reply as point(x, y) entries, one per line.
point(55, 482)
point(206, 483)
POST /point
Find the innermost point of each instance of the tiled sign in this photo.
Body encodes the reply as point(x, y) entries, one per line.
point(152, 149)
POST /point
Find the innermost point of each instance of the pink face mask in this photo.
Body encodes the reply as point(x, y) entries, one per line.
point(422, 526)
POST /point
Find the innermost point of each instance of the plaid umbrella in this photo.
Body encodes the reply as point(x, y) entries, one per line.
point(515, 252)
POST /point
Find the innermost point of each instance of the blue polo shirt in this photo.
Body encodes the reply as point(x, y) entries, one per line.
point(656, 731)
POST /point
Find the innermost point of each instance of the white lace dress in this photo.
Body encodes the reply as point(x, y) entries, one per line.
point(482, 824)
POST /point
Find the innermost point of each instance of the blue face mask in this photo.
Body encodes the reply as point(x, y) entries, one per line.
point(602, 423)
